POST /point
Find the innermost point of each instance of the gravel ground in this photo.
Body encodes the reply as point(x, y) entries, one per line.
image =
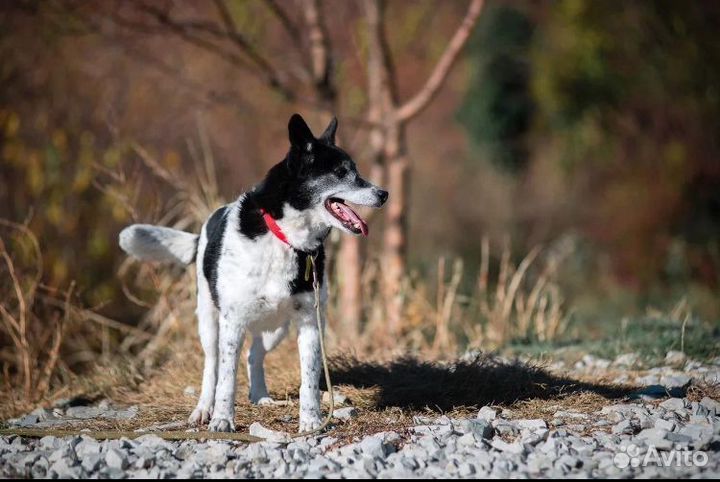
point(645, 437)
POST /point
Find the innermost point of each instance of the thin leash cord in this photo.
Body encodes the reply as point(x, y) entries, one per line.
point(181, 435)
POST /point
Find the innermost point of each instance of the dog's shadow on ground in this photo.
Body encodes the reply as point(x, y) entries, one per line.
point(416, 384)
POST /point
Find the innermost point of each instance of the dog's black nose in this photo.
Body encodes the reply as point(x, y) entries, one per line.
point(382, 195)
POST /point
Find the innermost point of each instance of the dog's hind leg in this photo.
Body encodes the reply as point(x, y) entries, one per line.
point(232, 326)
point(208, 329)
point(262, 344)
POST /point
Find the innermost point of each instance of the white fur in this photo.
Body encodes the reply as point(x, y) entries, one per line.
point(156, 243)
point(254, 299)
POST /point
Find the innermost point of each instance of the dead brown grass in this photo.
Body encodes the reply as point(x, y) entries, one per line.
point(697, 391)
point(33, 318)
point(387, 393)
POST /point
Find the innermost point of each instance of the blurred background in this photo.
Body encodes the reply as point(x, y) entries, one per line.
point(554, 166)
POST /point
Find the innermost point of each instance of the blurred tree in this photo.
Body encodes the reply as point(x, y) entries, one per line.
point(389, 118)
point(628, 97)
point(498, 105)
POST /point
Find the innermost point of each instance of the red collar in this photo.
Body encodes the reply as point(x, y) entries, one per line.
point(273, 226)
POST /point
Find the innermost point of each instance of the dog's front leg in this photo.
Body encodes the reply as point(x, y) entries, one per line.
point(233, 323)
point(310, 367)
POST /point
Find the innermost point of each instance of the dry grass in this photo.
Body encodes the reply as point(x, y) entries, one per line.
point(522, 302)
point(32, 353)
point(387, 393)
point(698, 391)
point(152, 363)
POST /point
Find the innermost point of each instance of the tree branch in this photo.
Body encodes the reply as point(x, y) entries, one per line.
point(184, 31)
point(205, 95)
point(320, 55)
point(273, 78)
point(420, 101)
point(286, 22)
point(377, 69)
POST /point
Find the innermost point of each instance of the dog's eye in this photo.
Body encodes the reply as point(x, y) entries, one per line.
point(341, 171)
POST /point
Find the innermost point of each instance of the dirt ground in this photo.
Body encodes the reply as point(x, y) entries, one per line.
point(388, 393)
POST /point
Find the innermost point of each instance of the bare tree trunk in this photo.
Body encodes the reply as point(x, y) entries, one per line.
point(350, 259)
point(349, 268)
point(387, 116)
point(395, 117)
point(394, 266)
point(347, 262)
point(320, 55)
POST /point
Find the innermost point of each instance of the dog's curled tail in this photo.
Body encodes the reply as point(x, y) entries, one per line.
point(156, 243)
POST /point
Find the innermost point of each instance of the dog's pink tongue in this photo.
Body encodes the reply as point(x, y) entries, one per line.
point(353, 216)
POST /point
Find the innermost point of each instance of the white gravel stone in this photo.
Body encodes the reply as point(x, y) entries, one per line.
point(504, 427)
point(664, 424)
point(656, 437)
point(372, 446)
point(532, 424)
point(87, 446)
point(115, 459)
point(513, 448)
point(675, 358)
point(64, 469)
point(90, 462)
point(626, 360)
point(256, 429)
point(487, 413)
point(713, 406)
point(345, 413)
point(338, 398)
point(674, 380)
point(586, 445)
point(623, 427)
point(49, 442)
point(674, 404)
point(83, 413)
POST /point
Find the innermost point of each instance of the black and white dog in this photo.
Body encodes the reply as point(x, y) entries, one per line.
point(251, 264)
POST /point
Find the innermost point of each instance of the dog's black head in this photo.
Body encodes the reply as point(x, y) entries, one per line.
point(316, 179)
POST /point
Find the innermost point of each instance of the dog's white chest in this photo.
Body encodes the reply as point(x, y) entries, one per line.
point(257, 278)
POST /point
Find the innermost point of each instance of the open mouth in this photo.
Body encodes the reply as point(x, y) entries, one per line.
point(349, 218)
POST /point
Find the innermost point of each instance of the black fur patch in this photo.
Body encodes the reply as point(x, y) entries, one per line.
point(290, 181)
point(215, 231)
point(251, 221)
point(299, 284)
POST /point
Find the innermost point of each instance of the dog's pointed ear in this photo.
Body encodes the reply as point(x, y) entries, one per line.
point(301, 137)
point(328, 137)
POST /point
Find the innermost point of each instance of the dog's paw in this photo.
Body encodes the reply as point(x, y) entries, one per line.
point(264, 400)
point(309, 423)
point(201, 415)
point(219, 424)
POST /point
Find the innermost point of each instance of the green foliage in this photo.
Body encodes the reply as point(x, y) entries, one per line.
point(627, 96)
point(497, 108)
point(572, 76)
point(597, 63)
point(651, 337)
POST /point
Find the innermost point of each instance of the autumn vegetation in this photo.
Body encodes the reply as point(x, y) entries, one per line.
point(553, 168)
